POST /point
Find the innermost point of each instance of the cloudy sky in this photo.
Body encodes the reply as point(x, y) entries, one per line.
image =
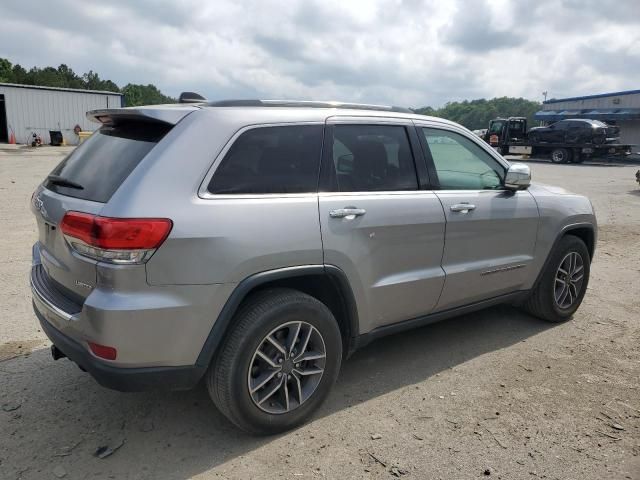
point(403, 52)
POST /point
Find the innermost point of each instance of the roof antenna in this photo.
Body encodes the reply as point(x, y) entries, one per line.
point(191, 97)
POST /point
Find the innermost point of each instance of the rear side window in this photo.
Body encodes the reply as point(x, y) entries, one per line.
point(283, 159)
point(105, 160)
point(370, 158)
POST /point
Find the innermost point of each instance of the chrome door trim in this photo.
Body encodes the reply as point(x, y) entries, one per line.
point(503, 269)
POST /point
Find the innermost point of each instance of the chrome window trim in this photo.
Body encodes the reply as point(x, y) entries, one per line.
point(369, 120)
point(375, 193)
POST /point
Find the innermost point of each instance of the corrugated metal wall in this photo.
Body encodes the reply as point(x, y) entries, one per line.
point(40, 110)
point(630, 133)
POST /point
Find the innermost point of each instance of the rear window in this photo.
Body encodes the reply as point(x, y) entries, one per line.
point(283, 159)
point(105, 160)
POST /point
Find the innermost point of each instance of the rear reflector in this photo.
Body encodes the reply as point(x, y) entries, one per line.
point(102, 351)
point(116, 240)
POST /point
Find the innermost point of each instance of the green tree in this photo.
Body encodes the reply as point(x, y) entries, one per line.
point(92, 81)
point(48, 76)
point(19, 75)
point(70, 78)
point(65, 77)
point(135, 95)
point(6, 72)
point(476, 114)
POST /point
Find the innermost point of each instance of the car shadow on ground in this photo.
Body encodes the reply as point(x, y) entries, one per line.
point(178, 435)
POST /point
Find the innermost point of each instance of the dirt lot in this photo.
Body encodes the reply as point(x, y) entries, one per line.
point(496, 394)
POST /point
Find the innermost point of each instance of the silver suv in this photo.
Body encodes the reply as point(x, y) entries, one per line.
point(256, 244)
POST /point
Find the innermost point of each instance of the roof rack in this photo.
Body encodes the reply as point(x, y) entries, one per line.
point(306, 103)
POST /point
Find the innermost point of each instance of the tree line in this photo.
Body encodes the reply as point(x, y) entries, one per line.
point(65, 77)
point(475, 114)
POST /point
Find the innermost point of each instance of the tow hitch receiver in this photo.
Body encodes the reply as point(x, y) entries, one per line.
point(56, 354)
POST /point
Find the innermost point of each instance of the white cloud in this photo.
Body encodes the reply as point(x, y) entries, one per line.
point(411, 52)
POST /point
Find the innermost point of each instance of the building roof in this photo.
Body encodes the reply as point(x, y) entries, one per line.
point(589, 113)
point(60, 89)
point(587, 97)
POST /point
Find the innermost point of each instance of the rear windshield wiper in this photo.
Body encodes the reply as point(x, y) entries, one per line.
point(64, 182)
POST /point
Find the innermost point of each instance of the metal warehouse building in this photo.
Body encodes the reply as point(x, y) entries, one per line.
point(25, 109)
point(617, 108)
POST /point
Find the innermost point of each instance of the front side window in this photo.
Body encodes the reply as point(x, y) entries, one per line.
point(370, 158)
point(283, 159)
point(460, 163)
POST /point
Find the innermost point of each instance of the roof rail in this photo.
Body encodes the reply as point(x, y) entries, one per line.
point(308, 104)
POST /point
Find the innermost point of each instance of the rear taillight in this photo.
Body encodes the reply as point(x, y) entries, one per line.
point(114, 240)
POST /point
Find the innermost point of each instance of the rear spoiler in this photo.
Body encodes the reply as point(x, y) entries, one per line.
point(157, 114)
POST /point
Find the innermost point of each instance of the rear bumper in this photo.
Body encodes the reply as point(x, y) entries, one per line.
point(150, 326)
point(59, 318)
point(117, 378)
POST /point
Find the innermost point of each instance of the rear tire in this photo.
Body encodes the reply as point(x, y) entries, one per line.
point(248, 356)
point(548, 300)
point(561, 155)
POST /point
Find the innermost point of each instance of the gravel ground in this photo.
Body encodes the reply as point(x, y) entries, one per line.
point(496, 394)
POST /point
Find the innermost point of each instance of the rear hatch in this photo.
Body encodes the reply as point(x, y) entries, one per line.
point(83, 182)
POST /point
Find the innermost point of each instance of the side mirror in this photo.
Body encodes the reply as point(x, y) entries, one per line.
point(518, 177)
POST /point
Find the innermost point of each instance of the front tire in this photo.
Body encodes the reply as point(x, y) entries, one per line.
point(564, 282)
point(279, 362)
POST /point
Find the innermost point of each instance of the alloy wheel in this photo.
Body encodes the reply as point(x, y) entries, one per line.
point(568, 280)
point(287, 367)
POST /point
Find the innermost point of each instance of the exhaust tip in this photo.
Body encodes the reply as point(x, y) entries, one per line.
point(56, 353)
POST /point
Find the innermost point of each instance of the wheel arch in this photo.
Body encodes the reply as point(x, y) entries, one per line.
point(584, 231)
point(327, 283)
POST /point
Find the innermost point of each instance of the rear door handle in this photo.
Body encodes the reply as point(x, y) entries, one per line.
point(348, 212)
point(462, 207)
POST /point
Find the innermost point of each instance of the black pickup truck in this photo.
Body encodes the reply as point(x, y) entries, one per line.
point(571, 140)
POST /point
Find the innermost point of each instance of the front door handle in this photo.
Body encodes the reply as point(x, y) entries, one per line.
point(348, 212)
point(462, 207)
